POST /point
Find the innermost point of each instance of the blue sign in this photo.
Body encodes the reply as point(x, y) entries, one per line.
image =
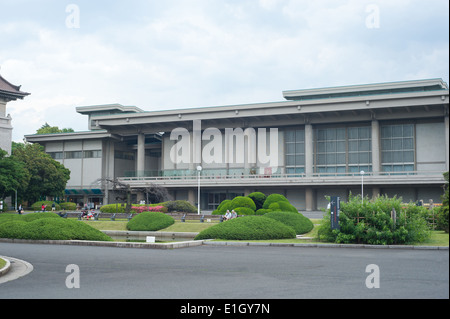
point(335, 207)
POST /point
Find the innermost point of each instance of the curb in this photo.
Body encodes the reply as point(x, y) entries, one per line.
point(6, 268)
point(174, 245)
point(242, 244)
point(196, 243)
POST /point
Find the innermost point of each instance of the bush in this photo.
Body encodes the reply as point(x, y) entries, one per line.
point(297, 221)
point(282, 207)
point(68, 206)
point(244, 211)
point(150, 221)
point(144, 208)
point(241, 201)
point(262, 211)
point(258, 198)
point(180, 206)
point(274, 198)
point(47, 226)
point(248, 228)
point(376, 226)
point(442, 222)
point(37, 206)
point(113, 208)
point(223, 207)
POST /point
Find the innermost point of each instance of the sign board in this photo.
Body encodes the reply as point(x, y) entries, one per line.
point(335, 207)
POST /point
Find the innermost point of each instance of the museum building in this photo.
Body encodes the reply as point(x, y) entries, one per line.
point(384, 138)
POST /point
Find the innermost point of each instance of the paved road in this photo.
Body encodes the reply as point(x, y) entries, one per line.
point(227, 272)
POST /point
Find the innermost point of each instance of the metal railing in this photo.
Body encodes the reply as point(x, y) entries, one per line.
point(244, 175)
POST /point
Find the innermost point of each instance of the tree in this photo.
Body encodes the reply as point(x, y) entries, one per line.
point(13, 175)
point(47, 176)
point(443, 212)
point(47, 129)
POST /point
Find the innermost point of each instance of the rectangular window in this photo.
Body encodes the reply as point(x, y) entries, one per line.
point(73, 154)
point(125, 155)
point(295, 151)
point(56, 155)
point(343, 149)
point(93, 154)
point(397, 148)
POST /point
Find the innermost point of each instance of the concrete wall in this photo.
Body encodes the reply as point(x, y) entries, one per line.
point(430, 147)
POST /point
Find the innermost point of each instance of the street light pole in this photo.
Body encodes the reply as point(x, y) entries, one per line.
point(199, 169)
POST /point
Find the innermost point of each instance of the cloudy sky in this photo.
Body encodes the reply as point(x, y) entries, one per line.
point(180, 54)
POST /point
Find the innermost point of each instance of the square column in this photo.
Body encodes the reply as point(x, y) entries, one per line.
point(309, 150)
point(140, 165)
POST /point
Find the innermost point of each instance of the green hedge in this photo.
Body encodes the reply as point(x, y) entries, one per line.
point(68, 206)
point(282, 207)
point(274, 198)
point(37, 206)
point(181, 206)
point(223, 207)
point(47, 226)
point(258, 198)
point(244, 211)
point(150, 221)
point(248, 228)
point(297, 221)
point(242, 201)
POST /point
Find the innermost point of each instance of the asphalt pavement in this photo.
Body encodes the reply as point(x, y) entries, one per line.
point(225, 272)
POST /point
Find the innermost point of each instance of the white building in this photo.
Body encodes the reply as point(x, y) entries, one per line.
point(321, 139)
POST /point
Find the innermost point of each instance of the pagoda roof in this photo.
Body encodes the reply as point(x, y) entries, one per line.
point(11, 91)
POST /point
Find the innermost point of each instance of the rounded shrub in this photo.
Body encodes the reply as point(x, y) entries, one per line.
point(258, 198)
point(297, 221)
point(262, 211)
point(248, 228)
point(244, 211)
point(47, 226)
point(282, 207)
point(242, 201)
point(223, 207)
point(150, 221)
point(274, 198)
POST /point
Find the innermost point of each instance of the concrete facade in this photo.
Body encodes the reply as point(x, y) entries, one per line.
point(397, 133)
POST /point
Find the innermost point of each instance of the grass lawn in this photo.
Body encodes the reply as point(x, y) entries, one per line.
point(2, 263)
point(188, 226)
point(438, 238)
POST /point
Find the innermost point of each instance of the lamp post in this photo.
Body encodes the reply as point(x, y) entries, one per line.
point(199, 169)
point(362, 186)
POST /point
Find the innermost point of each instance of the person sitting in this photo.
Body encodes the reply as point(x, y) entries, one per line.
point(227, 215)
point(233, 214)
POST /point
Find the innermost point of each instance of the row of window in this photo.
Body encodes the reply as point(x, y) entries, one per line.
point(349, 149)
point(336, 150)
point(76, 154)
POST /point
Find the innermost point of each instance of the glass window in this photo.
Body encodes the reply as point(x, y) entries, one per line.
point(73, 154)
point(343, 149)
point(397, 147)
point(295, 150)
